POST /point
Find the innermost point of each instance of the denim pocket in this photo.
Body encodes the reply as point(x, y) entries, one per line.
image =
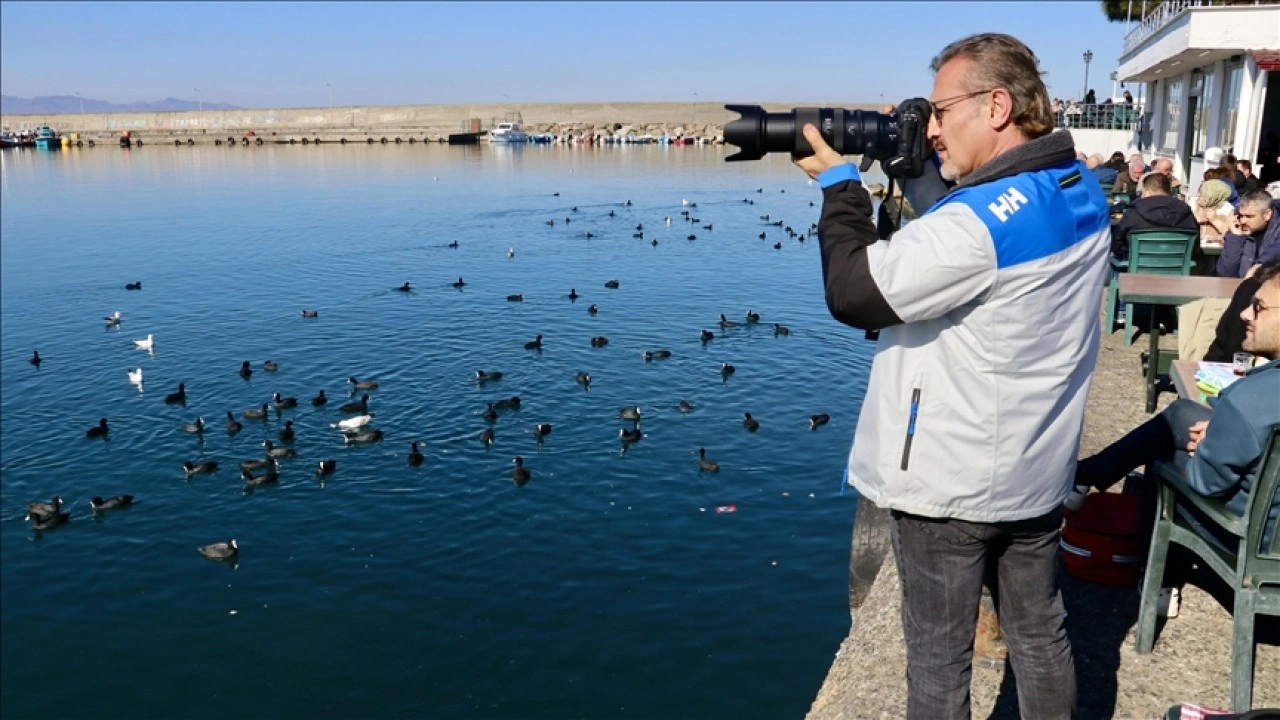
point(957, 533)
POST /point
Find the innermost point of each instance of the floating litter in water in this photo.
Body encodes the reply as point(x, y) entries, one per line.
point(702, 509)
point(232, 612)
point(722, 509)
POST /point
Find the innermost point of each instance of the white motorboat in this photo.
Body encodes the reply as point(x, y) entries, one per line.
point(508, 132)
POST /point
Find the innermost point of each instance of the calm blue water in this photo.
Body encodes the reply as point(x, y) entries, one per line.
point(606, 587)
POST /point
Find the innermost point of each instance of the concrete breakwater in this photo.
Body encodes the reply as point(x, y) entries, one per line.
point(429, 123)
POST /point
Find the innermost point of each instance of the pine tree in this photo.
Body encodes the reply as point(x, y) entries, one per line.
point(1123, 10)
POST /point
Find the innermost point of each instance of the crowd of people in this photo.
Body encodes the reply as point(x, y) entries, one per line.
point(970, 426)
point(1229, 209)
point(1091, 114)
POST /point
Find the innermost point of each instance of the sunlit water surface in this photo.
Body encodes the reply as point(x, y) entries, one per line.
point(608, 586)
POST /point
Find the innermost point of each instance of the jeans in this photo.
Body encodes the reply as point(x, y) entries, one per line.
point(941, 565)
point(1163, 436)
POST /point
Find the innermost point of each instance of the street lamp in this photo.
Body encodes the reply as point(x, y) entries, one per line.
point(81, 102)
point(199, 99)
point(330, 89)
point(1088, 58)
point(695, 109)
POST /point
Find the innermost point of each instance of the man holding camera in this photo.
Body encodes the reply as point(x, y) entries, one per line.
point(987, 307)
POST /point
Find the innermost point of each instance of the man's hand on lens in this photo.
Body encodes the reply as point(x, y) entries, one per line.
point(823, 157)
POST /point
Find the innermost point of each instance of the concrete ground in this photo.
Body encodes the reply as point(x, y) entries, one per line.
point(1191, 660)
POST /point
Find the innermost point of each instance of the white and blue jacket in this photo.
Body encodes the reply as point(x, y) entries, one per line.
point(988, 311)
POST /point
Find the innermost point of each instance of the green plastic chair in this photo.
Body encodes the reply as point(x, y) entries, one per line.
point(1251, 569)
point(1155, 252)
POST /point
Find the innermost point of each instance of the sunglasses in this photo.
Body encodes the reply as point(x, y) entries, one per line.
point(952, 101)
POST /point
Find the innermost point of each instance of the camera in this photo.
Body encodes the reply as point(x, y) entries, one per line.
point(898, 140)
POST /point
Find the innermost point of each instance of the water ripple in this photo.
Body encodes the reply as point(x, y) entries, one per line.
point(607, 575)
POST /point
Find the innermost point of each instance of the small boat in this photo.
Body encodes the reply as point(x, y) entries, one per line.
point(47, 139)
point(506, 132)
point(511, 130)
point(24, 139)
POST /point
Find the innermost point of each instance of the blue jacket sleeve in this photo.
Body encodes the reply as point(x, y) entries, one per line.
point(1269, 249)
point(1232, 252)
point(1227, 452)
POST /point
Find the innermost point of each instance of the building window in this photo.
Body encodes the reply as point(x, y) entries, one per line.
point(1202, 90)
point(1172, 115)
point(1230, 107)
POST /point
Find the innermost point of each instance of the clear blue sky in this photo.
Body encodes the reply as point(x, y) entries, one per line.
point(283, 54)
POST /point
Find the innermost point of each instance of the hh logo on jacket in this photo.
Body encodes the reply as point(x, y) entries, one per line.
point(1008, 204)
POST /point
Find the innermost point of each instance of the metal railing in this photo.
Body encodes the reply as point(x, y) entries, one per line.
point(1166, 12)
point(1107, 116)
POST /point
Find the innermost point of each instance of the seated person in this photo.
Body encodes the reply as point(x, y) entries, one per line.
point(1224, 444)
point(1224, 175)
point(1127, 181)
point(1106, 173)
point(1155, 210)
point(1228, 336)
point(1234, 176)
point(1164, 166)
point(1250, 182)
point(1117, 161)
point(1213, 211)
point(1254, 239)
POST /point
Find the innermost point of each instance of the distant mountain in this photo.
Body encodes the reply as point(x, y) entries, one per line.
point(54, 104)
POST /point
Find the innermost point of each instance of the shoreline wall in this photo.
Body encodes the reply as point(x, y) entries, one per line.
point(700, 117)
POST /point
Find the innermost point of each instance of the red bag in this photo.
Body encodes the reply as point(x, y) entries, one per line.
point(1102, 543)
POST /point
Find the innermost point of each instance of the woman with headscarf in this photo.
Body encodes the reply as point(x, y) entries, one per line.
point(1213, 210)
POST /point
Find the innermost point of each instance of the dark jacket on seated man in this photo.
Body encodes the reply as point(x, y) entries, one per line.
point(1155, 210)
point(1125, 182)
point(1259, 215)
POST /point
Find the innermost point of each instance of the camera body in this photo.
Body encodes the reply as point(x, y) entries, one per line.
point(898, 140)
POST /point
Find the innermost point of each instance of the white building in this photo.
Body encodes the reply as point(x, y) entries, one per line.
point(1210, 81)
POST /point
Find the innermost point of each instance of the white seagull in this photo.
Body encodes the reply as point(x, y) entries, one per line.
point(135, 376)
point(511, 252)
point(352, 423)
point(145, 344)
point(113, 320)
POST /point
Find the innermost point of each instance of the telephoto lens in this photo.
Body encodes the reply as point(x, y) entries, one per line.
point(848, 132)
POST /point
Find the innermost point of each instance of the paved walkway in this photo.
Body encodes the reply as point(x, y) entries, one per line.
point(1191, 661)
